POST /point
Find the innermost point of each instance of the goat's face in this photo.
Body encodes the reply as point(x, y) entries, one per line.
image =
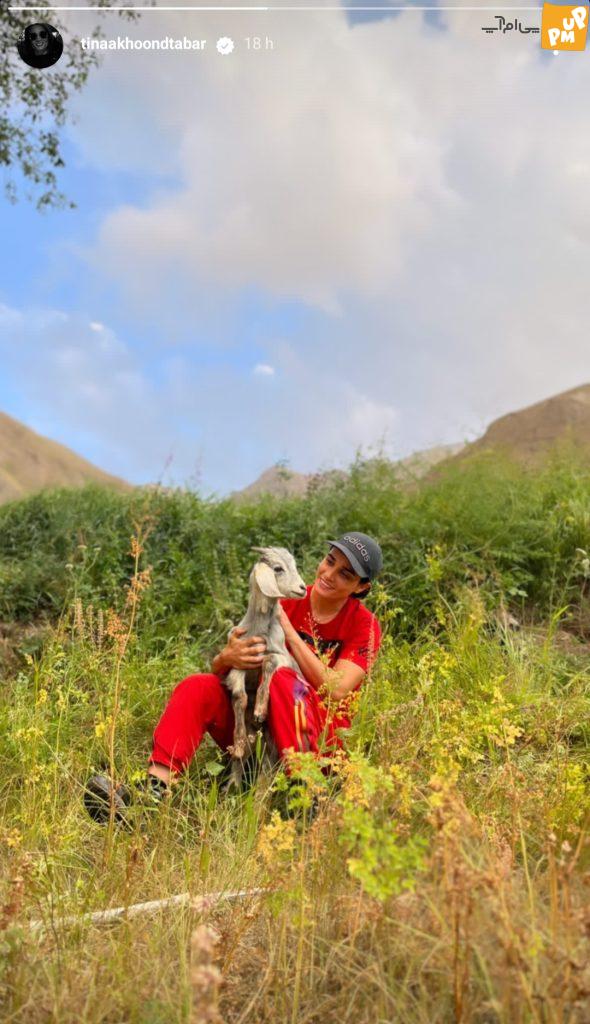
point(276, 573)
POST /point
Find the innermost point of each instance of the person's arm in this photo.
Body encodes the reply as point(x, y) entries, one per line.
point(239, 652)
point(338, 681)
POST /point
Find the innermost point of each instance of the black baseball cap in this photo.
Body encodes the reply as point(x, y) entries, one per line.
point(363, 553)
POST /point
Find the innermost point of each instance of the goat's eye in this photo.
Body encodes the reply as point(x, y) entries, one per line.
point(279, 568)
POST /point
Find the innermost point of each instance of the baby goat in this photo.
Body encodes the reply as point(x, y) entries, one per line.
point(274, 576)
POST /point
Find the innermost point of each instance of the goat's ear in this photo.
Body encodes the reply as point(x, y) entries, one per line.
point(259, 550)
point(265, 579)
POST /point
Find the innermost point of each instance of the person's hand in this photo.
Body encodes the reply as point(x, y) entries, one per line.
point(285, 621)
point(244, 652)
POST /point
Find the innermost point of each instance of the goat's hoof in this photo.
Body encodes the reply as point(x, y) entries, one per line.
point(233, 784)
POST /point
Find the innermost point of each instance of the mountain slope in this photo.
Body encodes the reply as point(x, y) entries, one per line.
point(530, 434)
point(30, 462)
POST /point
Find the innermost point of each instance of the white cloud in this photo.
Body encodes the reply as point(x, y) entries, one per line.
point(422, 189)
point(264, 370)
point(302, 172)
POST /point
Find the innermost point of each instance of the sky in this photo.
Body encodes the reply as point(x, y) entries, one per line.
point(372, 237)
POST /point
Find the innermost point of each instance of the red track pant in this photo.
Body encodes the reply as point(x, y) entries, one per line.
point(297, 719)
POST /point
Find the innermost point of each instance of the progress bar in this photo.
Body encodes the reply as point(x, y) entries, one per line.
point(339, 7)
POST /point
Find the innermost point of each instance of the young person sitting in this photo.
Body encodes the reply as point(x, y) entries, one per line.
point(333, 638)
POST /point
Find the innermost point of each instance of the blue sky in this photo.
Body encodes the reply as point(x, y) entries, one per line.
point(373, 237)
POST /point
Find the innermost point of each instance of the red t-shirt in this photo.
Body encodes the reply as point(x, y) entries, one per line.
point(353, 634)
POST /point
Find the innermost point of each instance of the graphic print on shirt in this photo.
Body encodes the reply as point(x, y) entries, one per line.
point(353, 634)
point(329, 649)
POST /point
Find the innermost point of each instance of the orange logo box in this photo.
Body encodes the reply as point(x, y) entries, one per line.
point(564, 27)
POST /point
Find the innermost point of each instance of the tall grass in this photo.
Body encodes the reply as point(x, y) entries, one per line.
point(444, 877)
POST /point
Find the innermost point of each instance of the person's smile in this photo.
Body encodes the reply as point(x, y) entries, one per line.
point(325, 585)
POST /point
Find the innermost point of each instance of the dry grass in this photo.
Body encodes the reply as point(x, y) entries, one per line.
point(444, 879)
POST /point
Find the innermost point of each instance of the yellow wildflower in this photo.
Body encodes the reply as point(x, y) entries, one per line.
point(276, 839)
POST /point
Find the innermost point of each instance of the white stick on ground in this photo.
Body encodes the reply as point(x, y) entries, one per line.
point(198, 903)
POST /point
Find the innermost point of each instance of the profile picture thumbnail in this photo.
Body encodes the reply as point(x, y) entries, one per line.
point(40, 45)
